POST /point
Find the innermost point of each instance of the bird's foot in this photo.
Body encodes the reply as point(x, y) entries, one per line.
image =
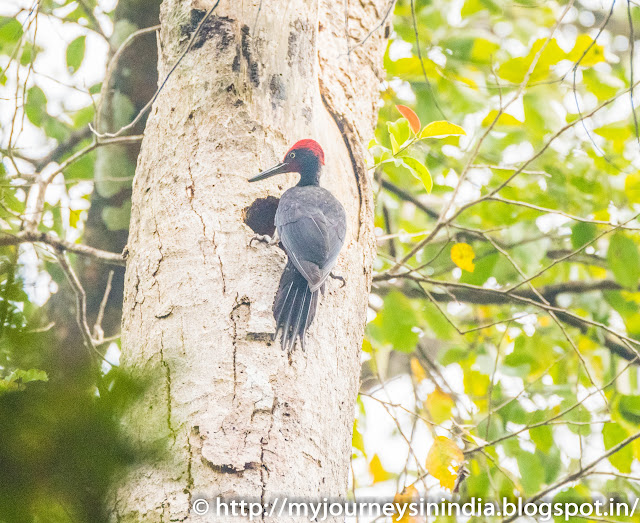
point(264, 238)
point(338, 277)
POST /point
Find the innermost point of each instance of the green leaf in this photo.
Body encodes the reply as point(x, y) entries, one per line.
point(380, 154)
point(419, 171)
point(612, 434)
point(531, 471)
point(629, 408)
point(95, 88)
point(83, 117)
point(75, 53)
point(117, 218)
point(399, 133)
point(582, 233)
point(603, 85)
point(453, 355)
point(10, 33)
point(26, 376)
point(395, 147)
point(441, 128)
point(28, 53)
point(542, 436)
point(484, 269)
point(395, 322)
point(55, 129)
point(35, 108)
point(624, 260)
point(81, 168)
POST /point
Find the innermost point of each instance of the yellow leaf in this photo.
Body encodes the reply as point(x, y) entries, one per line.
point(440, 405)
point(441, 128)
point(417, 370)
point(476, 384)
point(632, 187)
point(516, 69)
point(544, 321)
point(462, 255)
point(602, 215)
point(483, 50)
point(419, 171)
point(366, 346)
point(401, 503)
point(631, 296)
point(467, 81)
point(444, 460)
point(377, 470)
point(503, 119)
point(594, 55)
point(357, 441)
point(74, 217)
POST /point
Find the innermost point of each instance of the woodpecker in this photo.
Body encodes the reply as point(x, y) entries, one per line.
point(311, 225)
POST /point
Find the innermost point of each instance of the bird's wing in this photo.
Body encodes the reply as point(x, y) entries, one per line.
point(312, 229)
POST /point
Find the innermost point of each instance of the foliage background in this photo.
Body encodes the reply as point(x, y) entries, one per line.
point(501, 356)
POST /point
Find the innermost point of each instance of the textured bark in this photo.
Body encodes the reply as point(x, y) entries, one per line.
point(242, 419)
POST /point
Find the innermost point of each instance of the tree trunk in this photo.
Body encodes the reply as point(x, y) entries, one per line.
point(243, 419)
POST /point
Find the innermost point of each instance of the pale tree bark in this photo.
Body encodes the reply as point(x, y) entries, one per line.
point(242, 419)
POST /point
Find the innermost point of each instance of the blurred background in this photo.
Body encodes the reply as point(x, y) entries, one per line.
point(501, 356)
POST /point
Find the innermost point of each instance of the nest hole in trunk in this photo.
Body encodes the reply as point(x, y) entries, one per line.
point(260, 215)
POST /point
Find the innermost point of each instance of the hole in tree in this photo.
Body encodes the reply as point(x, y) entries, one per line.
point(260, 215)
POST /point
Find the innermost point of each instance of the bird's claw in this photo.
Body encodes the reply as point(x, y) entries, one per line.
point(263, 238)
point(338, 277)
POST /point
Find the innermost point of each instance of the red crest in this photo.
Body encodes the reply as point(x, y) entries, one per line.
point(310, 145)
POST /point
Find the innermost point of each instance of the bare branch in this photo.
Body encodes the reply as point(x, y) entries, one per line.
point(616, 342)
point(27, 236)
point(81, 300)
point(35, 198)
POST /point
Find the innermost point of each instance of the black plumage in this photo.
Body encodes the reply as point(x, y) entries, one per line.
point(311, 225)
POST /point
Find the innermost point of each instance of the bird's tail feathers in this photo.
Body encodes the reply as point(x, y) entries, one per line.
point(294, 307)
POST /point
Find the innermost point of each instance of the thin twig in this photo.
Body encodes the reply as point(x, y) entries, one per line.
point(98, 332)
point(111, 66)
point(142, 112)
point(579, 473)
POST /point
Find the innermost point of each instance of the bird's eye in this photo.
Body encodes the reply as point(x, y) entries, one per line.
point(292, 155)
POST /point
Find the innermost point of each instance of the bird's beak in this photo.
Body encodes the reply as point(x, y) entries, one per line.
point(276, 169)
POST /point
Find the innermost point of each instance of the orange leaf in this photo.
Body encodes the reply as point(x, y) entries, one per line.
point(401, 502)
point(444, 460)
point(410, 115)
